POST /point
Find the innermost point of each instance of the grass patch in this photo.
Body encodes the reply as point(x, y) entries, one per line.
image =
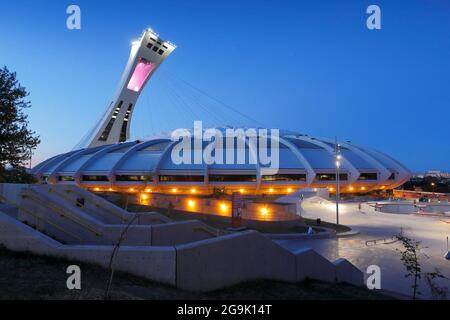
point(27, 276)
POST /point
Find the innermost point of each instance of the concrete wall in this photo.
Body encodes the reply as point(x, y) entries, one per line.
point(437, 207)
point(199, 266)
point(400, 208)
point(154, 263)
point(99, 207)
point(348, 273)
point(228, 260)
point(204, 263)
point(10, 192)
point(222, 207)
point(175, 233)
point(71, 225)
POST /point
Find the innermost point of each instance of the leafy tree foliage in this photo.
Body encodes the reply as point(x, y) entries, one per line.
point(17, 141)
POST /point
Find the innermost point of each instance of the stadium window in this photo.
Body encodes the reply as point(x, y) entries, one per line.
point(94, 178)
point(155, 48)
point(392, 176)
point(149, 45)
point(181, 178)
point(161, 51)
point(66, 178)
point(232, 178)
point(368, 176)
point(330, 176)
point(135, 178)
point(285, 177)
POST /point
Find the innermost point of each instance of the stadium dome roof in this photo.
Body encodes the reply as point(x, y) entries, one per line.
point(304, 161)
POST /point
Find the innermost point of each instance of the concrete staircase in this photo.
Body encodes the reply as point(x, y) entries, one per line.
point(70, 222)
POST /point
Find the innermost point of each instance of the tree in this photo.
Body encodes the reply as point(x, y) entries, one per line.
point(437, 292)
point(410, 259)
point(410, 256)
point(17, 142)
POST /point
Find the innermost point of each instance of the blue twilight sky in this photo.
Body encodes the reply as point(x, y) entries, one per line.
point(311, 67)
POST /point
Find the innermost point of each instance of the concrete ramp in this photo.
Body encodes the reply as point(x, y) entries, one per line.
point(99, 207)
point(188, 254)
point(231, 259)
point(228, 260)
point(175, 233)
point(153, 263)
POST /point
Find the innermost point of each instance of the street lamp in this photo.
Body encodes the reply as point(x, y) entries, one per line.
point(337, 155)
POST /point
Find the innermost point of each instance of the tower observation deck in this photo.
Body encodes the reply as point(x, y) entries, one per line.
point(146, 56)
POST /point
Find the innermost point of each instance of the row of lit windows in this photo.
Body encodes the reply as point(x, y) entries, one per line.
point(181, 178)
point(285, 177)
point(330, 176)
point(226, 178)
point(123, 131)
point(107, 130)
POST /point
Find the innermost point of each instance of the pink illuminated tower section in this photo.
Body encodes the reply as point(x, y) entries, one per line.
point(146, 56)
point(140, 75)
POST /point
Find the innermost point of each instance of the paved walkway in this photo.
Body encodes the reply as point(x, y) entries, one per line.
point(431, 230)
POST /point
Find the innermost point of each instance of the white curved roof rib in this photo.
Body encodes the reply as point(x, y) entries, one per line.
point(353, 172)
point(139, 146)
point(297, 152)
point(403, 174)
point(384, 173)
point(106, 149)
point(254, 151)
point(41, 168)
point(53, 177)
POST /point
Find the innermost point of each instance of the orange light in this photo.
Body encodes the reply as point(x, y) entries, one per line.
point(289, 190)
point(191, 204)
point(223, 207)
point(315, 189)
point(148, 190)
point(264, 211)
point(96, 189)
point(193, 190)
point(131, 189)
point(363, 188)
point(144, 197)
point(174, 190)
point(110, 189)
point(241, 190)
point(382, 187)
point(331, 189)
point(271, 190)
point(351, 188)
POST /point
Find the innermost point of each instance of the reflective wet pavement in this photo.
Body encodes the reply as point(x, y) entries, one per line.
point(431, 231)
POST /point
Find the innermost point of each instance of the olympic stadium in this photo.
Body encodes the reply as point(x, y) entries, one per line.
point(107, 160)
